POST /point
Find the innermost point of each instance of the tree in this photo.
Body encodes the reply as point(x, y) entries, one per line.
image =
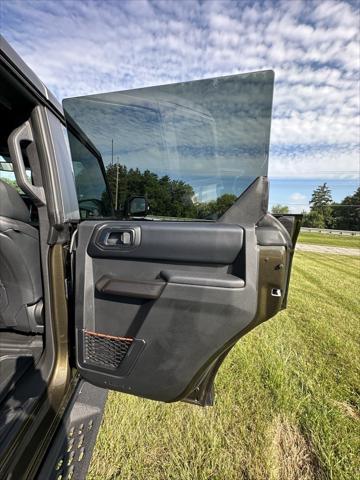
point(167, 197)
point(215, 208)
point(313, 219)
point(280, 209)
point(171, 198)
point(320, 204)
point(346, 214)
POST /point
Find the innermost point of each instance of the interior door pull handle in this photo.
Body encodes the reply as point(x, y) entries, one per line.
point(147, 290)
point(119, 238)
point(24, 133)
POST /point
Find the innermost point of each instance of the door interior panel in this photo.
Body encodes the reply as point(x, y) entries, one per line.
point(160, 303)
point(172, 306)
point(157, 307)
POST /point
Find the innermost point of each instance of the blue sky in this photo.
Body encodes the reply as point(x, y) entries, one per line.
point(82, 47)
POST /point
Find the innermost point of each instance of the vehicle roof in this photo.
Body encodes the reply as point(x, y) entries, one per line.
point(24, 71)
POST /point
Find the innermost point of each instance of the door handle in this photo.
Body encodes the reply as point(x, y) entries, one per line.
point(115, 237)
point(119, 238)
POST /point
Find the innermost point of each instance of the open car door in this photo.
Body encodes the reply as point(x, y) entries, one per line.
point(160, 298)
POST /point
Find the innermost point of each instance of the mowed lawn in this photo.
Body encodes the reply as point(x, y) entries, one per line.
point(333, 239)
point(287, 398)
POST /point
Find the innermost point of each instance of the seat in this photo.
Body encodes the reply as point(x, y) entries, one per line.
point(21, 305)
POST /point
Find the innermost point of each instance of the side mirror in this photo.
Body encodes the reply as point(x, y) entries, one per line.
point(136, 207)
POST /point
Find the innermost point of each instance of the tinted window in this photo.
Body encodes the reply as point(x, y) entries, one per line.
point(192, 148)
point(91, 189)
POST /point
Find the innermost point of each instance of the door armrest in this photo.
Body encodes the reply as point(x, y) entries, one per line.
point(224, 280)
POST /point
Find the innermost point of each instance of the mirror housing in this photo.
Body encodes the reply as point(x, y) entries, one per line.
point(136, 206)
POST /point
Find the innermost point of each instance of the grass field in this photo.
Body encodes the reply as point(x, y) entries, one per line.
point(287, 398)
point(330, 239)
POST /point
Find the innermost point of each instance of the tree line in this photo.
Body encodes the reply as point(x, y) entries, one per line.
point(167, 197)
point(325, 213)
point(176, 198)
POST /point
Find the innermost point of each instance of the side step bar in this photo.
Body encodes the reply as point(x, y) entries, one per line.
point(70, 452)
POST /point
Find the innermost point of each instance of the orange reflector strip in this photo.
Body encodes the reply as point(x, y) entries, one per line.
point(112, 337)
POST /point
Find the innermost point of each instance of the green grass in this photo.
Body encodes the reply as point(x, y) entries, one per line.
point(287, 398)
point(351, 241)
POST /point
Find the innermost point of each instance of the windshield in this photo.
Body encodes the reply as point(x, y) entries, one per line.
point(191, 148)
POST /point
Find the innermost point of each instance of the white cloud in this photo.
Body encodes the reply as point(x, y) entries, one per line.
point(81, 47)
point(335, 161)
point(297, 197)
point(299, 208)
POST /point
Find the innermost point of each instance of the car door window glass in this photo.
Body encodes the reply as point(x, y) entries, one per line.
point(91, 188)
point(191, 148)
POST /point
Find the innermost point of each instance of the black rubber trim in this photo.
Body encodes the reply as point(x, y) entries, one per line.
point(148, 290)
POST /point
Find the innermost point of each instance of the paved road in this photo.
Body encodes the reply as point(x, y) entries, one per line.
point(306, 247)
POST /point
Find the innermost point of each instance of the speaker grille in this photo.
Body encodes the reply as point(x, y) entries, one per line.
point(104, 350)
